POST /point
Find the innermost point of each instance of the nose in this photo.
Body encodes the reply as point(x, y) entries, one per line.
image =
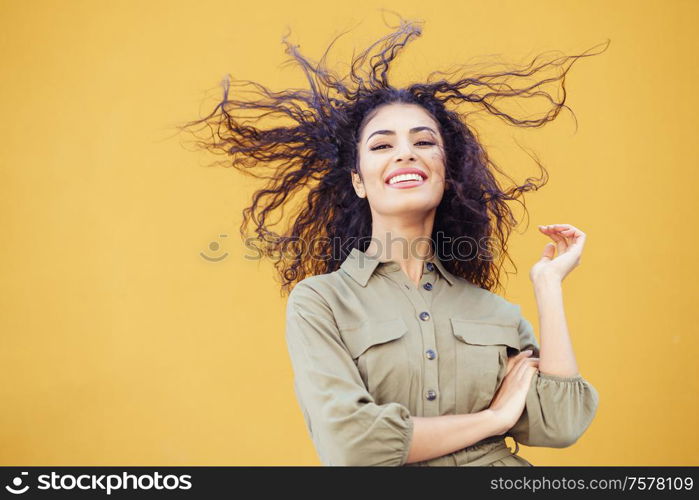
point(405, 153)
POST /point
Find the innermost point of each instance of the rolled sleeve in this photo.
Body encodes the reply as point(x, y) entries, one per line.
point(345, 424)
point(558, 409)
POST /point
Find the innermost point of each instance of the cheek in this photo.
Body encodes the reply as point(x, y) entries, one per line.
point(437, 160)
point(437, 167)
point(372, 175)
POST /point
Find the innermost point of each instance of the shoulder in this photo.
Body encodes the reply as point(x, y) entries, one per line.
point(316, 289)
point(490, 303)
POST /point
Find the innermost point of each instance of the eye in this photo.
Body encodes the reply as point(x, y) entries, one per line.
point(387, 145)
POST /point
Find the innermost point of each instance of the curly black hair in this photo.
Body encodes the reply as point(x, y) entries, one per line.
point(314, 154)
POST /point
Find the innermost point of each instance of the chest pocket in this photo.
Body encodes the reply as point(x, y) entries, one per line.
point(481, 360)
point(380, 353)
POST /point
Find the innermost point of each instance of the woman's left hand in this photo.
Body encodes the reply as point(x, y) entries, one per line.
point(569, 241)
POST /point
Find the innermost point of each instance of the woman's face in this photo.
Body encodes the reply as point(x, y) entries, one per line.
point(400, 138)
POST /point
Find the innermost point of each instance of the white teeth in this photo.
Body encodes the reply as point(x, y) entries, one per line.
point(405, 177)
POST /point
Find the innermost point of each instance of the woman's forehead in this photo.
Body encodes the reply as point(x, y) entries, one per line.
point(399, 118)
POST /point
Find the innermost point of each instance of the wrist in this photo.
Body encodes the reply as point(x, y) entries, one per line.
point(496, 423)
point(546, 281)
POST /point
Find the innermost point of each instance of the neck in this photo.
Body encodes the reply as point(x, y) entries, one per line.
point(402, 239)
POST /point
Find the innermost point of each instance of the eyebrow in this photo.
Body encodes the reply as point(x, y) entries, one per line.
point(391, 132)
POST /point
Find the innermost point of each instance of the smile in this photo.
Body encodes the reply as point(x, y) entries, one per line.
point(405, 184)
point(404, 178)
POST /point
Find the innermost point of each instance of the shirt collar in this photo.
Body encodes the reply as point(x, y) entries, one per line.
point(361, 266)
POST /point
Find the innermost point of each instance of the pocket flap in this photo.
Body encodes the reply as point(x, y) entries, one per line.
point(482, 333)
point(359, 339)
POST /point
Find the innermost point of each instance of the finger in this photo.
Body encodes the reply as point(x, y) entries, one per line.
point(546, 230)
point(572, 232)
point(555, 227)
point(559, 230)
point(519, 367)
point(520, 371)
point(527, 371)
point(561, 242)
point(562, 231)
point(566, 227)
point(551, 232)
point(513, 359)
point(579, 238)
point(566, 230)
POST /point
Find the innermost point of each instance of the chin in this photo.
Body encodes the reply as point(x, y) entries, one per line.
point(410, 207)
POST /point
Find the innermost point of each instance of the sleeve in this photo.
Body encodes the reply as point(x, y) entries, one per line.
point(346, 425)
point(558, 409)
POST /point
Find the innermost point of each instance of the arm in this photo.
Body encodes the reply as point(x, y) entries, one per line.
point(345, 423)
point(556, 356)
point(558, 409)
point(437, 436)
point(560, 404)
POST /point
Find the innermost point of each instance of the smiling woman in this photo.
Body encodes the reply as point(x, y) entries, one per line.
point(395, 155)
point(402, 352)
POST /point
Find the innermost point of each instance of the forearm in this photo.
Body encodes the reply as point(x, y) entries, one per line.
point(556, 356)
point(437, 436)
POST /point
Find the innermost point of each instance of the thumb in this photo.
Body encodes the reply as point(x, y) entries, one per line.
point(549, 251)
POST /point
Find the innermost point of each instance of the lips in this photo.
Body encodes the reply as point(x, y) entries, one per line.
point(405, 170)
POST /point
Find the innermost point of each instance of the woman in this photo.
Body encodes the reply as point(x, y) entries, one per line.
point(401, 351)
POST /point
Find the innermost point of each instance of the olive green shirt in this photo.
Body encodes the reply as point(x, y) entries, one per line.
point(369, 349)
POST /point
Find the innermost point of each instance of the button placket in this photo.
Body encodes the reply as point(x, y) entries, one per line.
point(428, 282)
point(429, 402)
point(430, 370)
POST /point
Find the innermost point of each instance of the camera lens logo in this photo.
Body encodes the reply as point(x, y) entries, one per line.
point(214, 247)
point(17, 483)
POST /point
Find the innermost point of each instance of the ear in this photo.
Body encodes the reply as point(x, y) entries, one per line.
point(358, 184)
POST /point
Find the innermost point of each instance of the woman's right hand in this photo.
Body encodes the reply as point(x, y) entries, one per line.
point(508, 403)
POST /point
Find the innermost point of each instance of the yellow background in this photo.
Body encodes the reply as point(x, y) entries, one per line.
point(121, 345)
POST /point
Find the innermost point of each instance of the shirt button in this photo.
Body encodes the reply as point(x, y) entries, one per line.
point(431, 395)
point(430, 266)
point(430, 354)
point(427, 286)
point(424, 315)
